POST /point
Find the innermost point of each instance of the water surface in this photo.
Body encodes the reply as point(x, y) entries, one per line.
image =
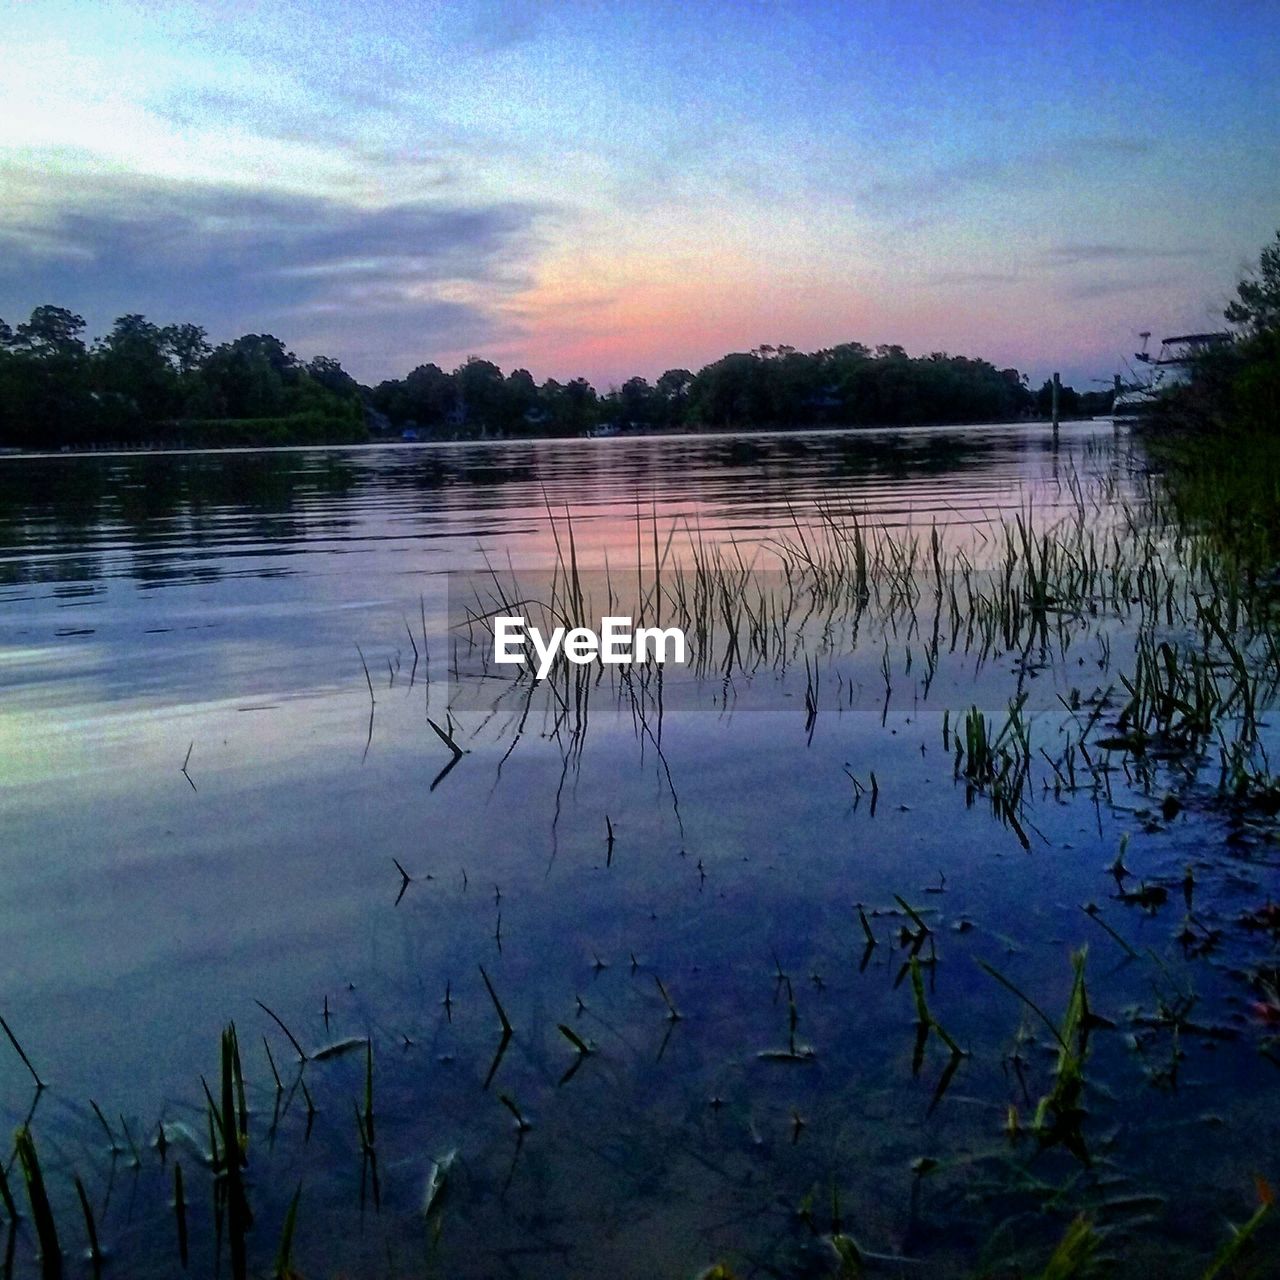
point(214, 610)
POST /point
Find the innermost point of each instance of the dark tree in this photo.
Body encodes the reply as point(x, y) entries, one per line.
point(187, 346)
point(1256, 307)
point(52, 331)
point(674, 387)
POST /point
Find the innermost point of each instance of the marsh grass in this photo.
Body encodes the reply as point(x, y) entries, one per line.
point(283, 1269)
point(180, 1214)
point(1074, 1254)
point(6, 1196)
point(112, 1145)
point(38, 1199)
point(1234, 1247)
point(90, 1226)
point(805, 598)
point(926, 1022)
point(1059, 1115)
point(26, 1062)
point(229, 1138)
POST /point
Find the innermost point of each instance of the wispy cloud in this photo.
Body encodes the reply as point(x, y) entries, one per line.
point(1070, 255)
point(1017, 169)
point(948, 278)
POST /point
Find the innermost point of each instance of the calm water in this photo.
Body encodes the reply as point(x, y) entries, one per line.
point(158, 605)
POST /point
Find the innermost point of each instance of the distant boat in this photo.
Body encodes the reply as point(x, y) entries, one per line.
point(1169, 368)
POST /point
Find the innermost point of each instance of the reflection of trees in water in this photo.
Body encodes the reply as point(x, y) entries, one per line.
point(162, 517)
point(812, 456)
point(475, 467)
point(153, 508)
point(924, 455)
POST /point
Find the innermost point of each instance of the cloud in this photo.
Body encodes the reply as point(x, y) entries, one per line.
point(1071, 255)
point(907, 193)
point(377, 287)
point(1087, 290)
point(1016, 170)
point(947, 278)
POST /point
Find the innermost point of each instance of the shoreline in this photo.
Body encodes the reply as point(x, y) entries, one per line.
point(706, 433)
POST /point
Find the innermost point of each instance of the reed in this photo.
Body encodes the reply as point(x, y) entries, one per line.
point(1074, 1254)
point(134, 1154)
point(283, 1269)
point(180, 1213)
point(38, 1199)
point(405, 880)
point(228, 1125)
point(311, 1106)
point(1092, 911)
point(866, 927)
point(298, 1049)
point(925, 1019)
point(112, 1145)
point(6, 1196)
point(497, 1004)
point(271, 1062)
point(673, 1014)
point(1059, 1114)
point(574, 1039)
point(91, 1228)
point(367, 678)
point(522, 1125)
point(1233, 1248)
point(26, 1062)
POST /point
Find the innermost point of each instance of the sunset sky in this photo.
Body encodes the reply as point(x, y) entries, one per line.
point(619, 188)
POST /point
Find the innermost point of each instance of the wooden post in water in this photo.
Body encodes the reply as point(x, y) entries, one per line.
point(1057, 388)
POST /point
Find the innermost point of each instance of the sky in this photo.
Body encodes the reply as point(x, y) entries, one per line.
point(609, 189)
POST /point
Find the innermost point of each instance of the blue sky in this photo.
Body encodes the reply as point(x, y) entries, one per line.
point(618, 188)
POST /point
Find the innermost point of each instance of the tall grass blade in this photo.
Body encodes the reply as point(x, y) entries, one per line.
point(26, 1062)
point(91, 1229)
point(283, 1269)
point(41, 1212)
point(180, 1213)
point(1240, 1236)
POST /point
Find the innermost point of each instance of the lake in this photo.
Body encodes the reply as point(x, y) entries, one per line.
point(224, 782)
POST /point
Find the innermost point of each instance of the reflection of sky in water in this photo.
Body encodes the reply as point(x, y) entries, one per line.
point(218, 602)
point(192, 576)
point(231, 623)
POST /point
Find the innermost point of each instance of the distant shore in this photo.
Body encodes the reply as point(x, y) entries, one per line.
point(145, 385)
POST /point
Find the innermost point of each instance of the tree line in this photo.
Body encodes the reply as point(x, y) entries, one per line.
point(144, 383)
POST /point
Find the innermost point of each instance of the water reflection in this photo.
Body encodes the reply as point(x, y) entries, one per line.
point(204, 801)
point(163, 518)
